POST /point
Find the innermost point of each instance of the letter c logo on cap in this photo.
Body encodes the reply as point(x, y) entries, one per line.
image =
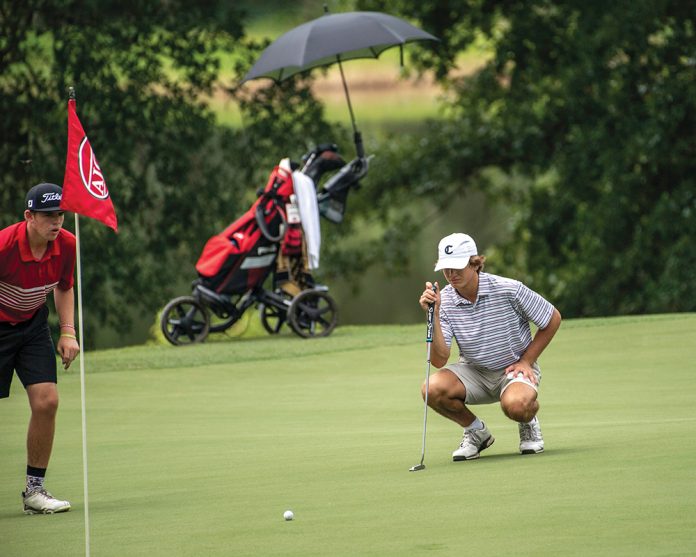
point(448, 250)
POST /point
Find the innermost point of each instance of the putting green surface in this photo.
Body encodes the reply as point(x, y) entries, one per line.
point(198, 451)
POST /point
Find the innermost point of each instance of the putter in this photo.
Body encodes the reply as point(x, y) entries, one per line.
point(428, 342)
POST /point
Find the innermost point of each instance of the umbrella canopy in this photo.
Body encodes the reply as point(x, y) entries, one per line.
point(333, 38)
point(330, 39)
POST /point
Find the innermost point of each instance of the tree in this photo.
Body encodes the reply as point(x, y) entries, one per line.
point(588, 109)
point(143, 73)
point(595, 104)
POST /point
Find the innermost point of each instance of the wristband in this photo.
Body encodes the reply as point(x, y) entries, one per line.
point(66, 335)
point(61, 325)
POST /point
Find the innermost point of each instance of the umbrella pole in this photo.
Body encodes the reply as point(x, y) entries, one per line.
point(357, 137)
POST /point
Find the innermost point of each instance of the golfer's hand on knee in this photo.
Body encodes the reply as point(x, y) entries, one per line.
point(429, 297)
point(522, 367)
point(68, 350)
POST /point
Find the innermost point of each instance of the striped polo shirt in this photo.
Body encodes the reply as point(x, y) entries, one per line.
point(493, 332)
point(25, 282)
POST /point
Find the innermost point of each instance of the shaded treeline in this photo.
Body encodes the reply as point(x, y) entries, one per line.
point(581, 122)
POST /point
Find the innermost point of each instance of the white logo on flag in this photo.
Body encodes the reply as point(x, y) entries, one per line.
point(91, 174)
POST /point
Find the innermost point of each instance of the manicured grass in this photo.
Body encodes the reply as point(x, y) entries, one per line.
point(199, 451)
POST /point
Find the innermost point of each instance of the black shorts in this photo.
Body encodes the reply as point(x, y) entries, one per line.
point(27, 348)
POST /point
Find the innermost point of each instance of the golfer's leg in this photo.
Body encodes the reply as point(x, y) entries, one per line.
point(446, 395)
point(43, 400)
point(519, 402)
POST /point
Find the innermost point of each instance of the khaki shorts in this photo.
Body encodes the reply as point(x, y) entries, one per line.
point(487, 386)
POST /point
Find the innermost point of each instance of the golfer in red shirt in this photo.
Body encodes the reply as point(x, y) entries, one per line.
point(37, 257)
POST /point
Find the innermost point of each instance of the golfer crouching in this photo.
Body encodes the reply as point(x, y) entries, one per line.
point(489, 318)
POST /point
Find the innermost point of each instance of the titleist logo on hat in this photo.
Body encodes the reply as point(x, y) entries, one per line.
point(454, 251)
point(44, 197)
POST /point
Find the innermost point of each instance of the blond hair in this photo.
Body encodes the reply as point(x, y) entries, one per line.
point(477, 262)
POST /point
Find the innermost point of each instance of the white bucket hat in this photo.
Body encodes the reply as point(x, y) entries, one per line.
point(454, 251)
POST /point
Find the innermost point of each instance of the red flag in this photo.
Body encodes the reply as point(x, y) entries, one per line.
point(84, 186)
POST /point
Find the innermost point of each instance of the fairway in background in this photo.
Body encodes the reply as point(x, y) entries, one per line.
point(200, 450)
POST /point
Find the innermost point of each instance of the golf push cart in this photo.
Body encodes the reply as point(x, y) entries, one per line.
point(269, 239)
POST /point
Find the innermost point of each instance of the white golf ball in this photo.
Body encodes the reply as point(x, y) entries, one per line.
point(288, 515)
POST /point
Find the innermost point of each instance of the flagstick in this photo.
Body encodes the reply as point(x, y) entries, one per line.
point(82, 382)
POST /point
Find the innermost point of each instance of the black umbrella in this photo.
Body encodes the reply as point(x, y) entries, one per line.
point(333, 38)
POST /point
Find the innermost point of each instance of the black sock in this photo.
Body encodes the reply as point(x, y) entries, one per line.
point(35, 478)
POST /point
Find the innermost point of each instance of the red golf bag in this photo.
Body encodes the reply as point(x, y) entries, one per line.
point(245, 253)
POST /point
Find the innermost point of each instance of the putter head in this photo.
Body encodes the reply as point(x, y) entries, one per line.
point(417, 467)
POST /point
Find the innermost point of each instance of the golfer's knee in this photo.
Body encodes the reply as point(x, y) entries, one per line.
point(45, 403)
point(436, 393)
point(521, 409)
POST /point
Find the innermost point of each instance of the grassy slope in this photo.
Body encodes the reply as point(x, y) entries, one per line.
point(380, 94)
point(198, 451)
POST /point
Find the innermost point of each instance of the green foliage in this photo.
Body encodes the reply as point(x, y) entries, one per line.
point(279, 119)
point(596, 104)
point(140, 70)
point(581, 121)
point(142, 73)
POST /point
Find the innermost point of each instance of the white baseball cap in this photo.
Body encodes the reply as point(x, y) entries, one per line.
point(454, 251)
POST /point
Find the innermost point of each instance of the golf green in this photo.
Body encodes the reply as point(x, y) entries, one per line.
point(198, 451)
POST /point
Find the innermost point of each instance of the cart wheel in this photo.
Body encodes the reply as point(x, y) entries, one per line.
point(185, 321)
point(272, 318)
point(312, 313)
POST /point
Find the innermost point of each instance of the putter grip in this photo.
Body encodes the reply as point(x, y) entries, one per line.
point(431, 316)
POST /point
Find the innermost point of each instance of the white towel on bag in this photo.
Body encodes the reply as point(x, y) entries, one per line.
point(309, 214)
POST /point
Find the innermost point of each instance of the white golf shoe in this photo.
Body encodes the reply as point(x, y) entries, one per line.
point(41, 501)
point(531, 440)
point(473, 442)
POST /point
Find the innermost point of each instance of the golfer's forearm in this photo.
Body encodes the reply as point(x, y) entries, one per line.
point(437, 360)
point(65, 305)
point(439, 351)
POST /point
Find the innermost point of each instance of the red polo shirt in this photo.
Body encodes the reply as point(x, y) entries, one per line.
point(25, 282)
